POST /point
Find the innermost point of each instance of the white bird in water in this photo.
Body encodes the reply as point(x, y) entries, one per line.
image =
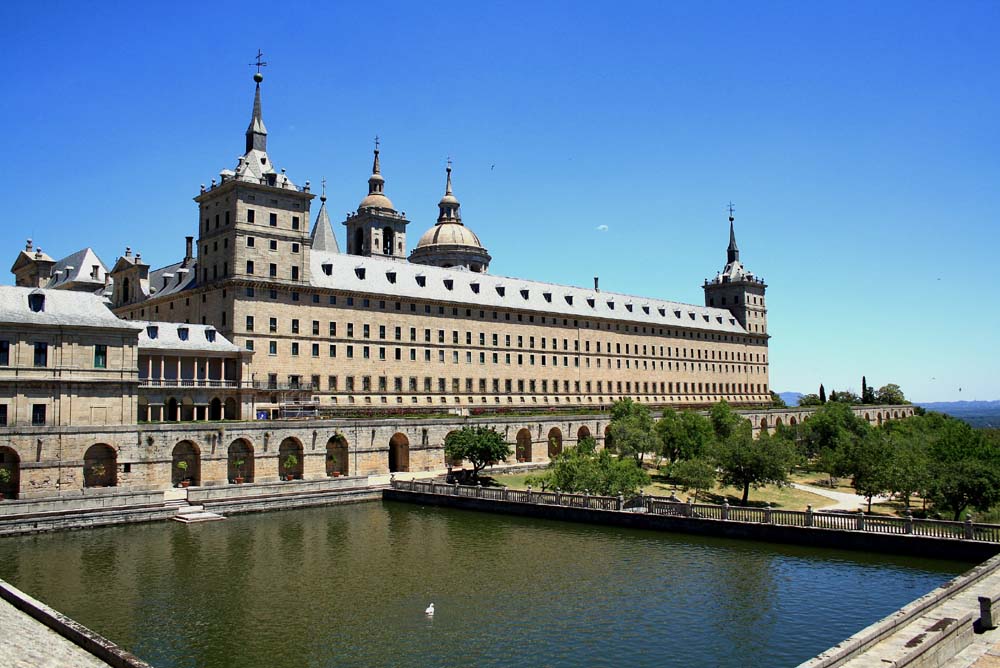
point(430, 610)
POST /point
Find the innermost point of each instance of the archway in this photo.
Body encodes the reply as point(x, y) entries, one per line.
point(609, 440)
point(336, 456)
point(11, 463)
point(359, 241)
point(523, 445)
point(895, 414)
point(240, 466)
point(763, 424)
point(232, 410)
point(100, 466)
point(187, 409)
point(555, 442)
point(215, 409)
point(399, 453)
point(290, 459)
point(791, 422)
point(582, 433)
point(387, 241)
point(878, 417)
point(777, 422)
point(171, 410)
point(186, 464)
point(868, 417)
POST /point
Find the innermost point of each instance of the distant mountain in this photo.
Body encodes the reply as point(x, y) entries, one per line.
point(791, 398)
point(976, 413)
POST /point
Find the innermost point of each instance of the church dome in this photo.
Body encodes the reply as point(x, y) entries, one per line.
point(376, 198)
point(450, 243)
point(449, 234)
point(376, 201)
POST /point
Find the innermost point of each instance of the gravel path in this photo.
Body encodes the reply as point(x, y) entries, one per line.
point(842, 500)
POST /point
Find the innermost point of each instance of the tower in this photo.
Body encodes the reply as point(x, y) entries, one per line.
point(376, 228)
point(738, 290)
point(450, 243)
point(254, 223)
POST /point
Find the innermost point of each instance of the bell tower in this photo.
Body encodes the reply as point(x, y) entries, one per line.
point(738, 290)
point(376, 228)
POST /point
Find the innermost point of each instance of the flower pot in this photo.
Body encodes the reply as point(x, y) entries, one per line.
point(185, 483)
point(336, 474)
point(238, 481)
point(289, 476)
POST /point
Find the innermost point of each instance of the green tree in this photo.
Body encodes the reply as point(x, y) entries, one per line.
point(683, 434)
point(479, 446)
point(693, 474)
point(777, 401)
point(631, 430)
point(810, 400)
point(847, 397)
point(891, 394)
point(822, 394)
point(725, 421)
point(964, 468)
point(868, 461)
point(867, 393)
point(745, 462)
point(583, 468)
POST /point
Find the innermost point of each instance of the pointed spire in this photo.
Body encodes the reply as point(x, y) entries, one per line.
point(322, 237)
point(733, 252)
point(449, 206)
point(256, 131)
point(376, 184)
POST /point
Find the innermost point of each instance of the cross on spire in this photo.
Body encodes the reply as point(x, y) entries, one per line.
point(731, 209)
point(260, 63)
point(376, 142)
point(324, 186)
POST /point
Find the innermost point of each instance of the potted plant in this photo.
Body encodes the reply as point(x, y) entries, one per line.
point(5, 476)
point(97, 471)
point(182, 466)
point(238, 465)
point(334, 471)
point(291, 461)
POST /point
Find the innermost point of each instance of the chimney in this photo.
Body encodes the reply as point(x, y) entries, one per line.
point(188, 246)
point(596, 286)
point(28, 247)
point(128, 251)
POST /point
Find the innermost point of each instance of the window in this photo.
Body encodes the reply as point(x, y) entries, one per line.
point(4, 353)
point(295, 273)
point(273, 219)
point(249, 266)
point(295, 226)
point(249, 344)
point(210, 335)
point(295, 325)
point(250, 215)
point(3, 415)
point(315, 327)
point(272, 348)
point(315, 350)
point(273, 324)
point(38, 414)
point(272, 270)
point(295, 349)
point(41, 355)
point(249, 323)
point(36, 302)
point(100, 356)
point(182, 332)
point(295, 248)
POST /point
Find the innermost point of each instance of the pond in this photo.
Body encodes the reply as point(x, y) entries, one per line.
point(348, 585)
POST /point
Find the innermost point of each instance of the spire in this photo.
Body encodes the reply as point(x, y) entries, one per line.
point(449, 205)
point(322, 236)
point(732, 253)
point(256, 132)
point(376, 184)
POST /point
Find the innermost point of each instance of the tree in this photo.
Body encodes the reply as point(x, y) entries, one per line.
point(725, 421)
point(810, 400)
point(833, 395)
point(478, 445)
point(684, 434)
point(631, 430)
point(846, 397)
point(777, 401)
point(822, 394)
point(583, 468)
point(868, 461)
point(693, 474)
point(745, 462)
point(965, 469)
point(891, 394)
point(865, 397)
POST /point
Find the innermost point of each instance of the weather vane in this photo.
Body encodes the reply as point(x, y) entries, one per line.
point(260, 63)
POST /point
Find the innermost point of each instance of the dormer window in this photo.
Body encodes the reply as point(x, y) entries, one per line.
point(421, 280)
point(390, 276)
point(645, 309)
point(569, 299)
point(360, 272)
point(210, 335)
point(691, 314)
point(628, 307)
point(449, 283)
point(152, 331)
point(501, 290)
point(36, 302)
point(182, 333)
point(591, 302)
point(524, 294)
point(547, 296)
point(677, 314)
point(475, 287)
point(663, 312)
point(611, 305)
point(327, 269)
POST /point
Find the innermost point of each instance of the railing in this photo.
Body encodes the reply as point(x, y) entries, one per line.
point(657, 505)
point(187, 382)
point(265, 385)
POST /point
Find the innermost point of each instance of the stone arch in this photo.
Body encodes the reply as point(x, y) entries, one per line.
point(187, 409)
point(336, 456)
point(171, 410)
point(609, 440)
point(231, 409)
point(878, 418)
point(777, 422)
point(10, 461)
point(290, 459)
point(215, 409)
point(399, 453)
point(895, 414)
point(582, 433)
point(100, 466)
point(240, 450)
point(186, 464)
point(763, 424)
point(388, 239)
point(868, 417)
point(523, 445)
point(359, 241)
point(792, 422)
point(555, 442)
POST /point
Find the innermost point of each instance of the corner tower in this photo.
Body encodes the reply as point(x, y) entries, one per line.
point(738, 290)
point(376, 228)
point(253, 223)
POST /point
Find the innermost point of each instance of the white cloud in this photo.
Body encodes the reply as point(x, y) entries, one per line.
point(601, 228)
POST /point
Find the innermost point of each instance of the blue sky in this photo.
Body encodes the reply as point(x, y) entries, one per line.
point(858, 141)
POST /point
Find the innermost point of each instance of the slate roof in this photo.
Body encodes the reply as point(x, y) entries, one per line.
point(323, 238)
point(62, 308)
point(76, 268)
point(168, 337)
point(171, 279)
point(381, 277)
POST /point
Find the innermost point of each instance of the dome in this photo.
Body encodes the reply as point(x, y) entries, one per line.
point(449, 234)
point(376, 201)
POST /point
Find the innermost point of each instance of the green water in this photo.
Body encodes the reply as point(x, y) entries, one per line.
point(347, 586)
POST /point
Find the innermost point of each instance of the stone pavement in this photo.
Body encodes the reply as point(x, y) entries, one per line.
point(26, 643)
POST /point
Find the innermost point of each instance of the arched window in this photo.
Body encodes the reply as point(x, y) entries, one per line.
point(387, 241)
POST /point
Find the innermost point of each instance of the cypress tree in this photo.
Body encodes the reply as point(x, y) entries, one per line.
point(822, 394)
point(864, 390)
point(833, 395)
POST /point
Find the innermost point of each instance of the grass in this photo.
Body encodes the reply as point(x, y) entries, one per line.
point(788, 498)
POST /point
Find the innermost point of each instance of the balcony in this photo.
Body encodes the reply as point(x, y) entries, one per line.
point(188, 383)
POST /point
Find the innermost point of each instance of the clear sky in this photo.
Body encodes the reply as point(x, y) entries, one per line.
point(858, 141)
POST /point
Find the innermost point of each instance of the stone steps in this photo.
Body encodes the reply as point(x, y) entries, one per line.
point(192, 514)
